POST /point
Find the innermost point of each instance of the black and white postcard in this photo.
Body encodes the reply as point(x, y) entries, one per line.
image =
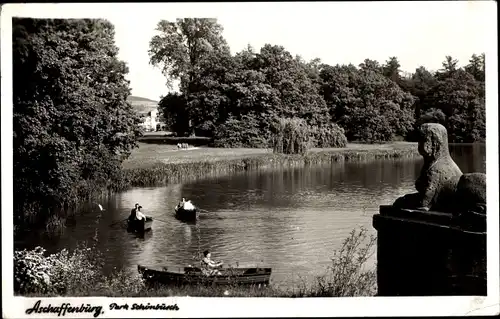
point(249, 159)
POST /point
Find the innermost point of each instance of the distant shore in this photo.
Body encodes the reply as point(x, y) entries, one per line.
point(154, 165)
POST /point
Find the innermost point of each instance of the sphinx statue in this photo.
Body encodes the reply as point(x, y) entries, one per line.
point(439, 176)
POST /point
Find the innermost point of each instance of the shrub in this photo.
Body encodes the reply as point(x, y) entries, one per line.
point(61, 273)
point(330, 135)
point(244, 132)
point(347, 276)
point(291, 136)
point(31, 271)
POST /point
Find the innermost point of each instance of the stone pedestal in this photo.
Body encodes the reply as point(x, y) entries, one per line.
point(427, 254)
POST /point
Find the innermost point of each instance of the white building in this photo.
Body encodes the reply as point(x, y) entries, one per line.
point(149, 121)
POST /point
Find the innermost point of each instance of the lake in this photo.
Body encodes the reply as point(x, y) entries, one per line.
point(289, 219)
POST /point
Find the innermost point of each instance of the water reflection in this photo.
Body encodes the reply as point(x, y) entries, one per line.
point(289, 219)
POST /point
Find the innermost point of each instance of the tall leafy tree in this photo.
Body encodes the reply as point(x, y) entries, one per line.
point(173, 109)
point(366, 104)
point(72, 124)
point(372, 65)
point(476, 67)
point(450, 66)
point(461, 98)
point(391, 69)
point(419, 84)
point(297, 93)
point(209, 102)
point(181, 47)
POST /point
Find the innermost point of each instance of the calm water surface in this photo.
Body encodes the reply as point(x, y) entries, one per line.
point(291, 219)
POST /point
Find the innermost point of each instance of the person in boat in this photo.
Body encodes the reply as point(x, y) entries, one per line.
point(139, 215)
point(133, 212)
point(181, 204)
point(208, 266)
point(188, 205)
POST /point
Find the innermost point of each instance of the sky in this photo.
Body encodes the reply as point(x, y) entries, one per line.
point(417, 33)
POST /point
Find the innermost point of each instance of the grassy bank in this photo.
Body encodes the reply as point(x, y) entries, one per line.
point(80, 273)
point(154, 165)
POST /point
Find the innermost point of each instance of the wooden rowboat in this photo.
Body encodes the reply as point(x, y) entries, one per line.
point(194, 276)
point(140, 225)
point(186, 214)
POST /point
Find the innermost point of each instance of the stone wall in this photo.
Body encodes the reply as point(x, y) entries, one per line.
point(426, 253)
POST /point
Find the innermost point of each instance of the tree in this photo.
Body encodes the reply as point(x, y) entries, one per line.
point(72, 124)
point(419, 84)
point(181, 46)
point(172, 108)
point(244, 132)
point(182, 49)
point(298, 96)
point(476, 67)
point(391, 70)
point(462, 100)
point(371, 65)
point(450, 66)
point(366, 104)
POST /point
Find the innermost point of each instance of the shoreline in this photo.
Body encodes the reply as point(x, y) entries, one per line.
point(159, 165)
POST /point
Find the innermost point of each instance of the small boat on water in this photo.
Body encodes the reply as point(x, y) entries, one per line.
point(140, 225)
point(186, 214)
point(194, 276)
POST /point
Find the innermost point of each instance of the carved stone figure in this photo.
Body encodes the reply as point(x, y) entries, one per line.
point(439, 176)
point(471, 192)
point(469, 205)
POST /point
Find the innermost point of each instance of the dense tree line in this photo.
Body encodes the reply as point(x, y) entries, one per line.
point(72, 124)
point(238, 99)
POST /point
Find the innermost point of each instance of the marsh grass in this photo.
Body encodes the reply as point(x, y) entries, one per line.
point(55, 225)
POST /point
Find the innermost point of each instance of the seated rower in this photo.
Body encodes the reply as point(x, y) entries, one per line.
point(188, 205)
point(181, 204)
point(133, 212)
point(208, 266)
point(139, 215)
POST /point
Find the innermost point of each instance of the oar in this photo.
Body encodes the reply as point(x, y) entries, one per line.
point(203, 210)
point(120, 221)
point(160, 220)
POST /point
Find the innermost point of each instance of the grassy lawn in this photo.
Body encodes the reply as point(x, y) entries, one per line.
point(147, 155)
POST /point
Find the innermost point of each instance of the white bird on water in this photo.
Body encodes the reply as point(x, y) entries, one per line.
point(100, 207)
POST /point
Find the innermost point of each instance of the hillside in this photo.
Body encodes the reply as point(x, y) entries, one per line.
point(142, 105)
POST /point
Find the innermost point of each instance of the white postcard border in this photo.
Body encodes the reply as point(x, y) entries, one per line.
point(15, 307)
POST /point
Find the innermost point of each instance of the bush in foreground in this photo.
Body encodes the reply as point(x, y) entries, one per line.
point(347, 275)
